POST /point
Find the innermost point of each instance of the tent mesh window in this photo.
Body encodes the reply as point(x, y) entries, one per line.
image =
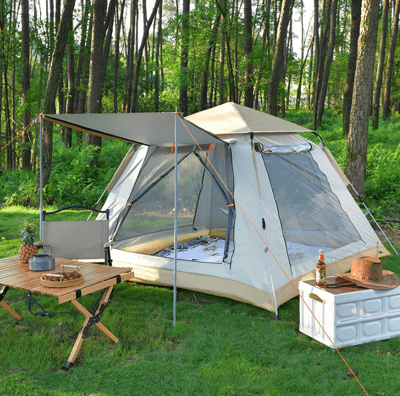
point(202, 202)
point(310, 213)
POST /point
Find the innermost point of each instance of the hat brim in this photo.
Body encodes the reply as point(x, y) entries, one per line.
point(389, 281)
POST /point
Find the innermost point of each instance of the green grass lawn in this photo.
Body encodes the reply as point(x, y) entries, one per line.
point(219, 346)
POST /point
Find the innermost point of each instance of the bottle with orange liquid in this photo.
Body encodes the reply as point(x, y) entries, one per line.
point(321, 270)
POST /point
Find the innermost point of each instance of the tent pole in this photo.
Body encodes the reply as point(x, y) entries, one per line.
point(175, 215)
point(41, 178)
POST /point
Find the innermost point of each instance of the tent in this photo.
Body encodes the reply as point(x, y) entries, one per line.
point(256, 202)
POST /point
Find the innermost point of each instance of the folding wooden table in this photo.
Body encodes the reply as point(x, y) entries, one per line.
point(14, 274)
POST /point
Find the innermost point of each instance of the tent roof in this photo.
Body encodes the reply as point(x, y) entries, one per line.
point(146, 128)
point(231, 118)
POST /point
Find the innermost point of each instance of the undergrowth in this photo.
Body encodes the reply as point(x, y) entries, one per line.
point(72, 181)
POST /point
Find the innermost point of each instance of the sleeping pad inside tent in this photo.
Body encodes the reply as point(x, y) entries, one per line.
point(254, 209)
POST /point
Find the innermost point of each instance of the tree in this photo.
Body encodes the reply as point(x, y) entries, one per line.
point(362, 93)
point(323, 86)
point(102, 22)
point(379, 72)
point(390, 61)
point(210, 46)
point(248, 47)
point(52, 85)
point(183, 93)
point(117, 55)
point(25, 83)
point(139, 54)
point(276, 72)
point(158, 61)
point(351, 65)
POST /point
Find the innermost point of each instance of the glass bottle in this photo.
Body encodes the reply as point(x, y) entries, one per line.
point(321, 270)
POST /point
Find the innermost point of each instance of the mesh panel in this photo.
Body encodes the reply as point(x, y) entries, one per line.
point(202, 200)
point(154, 210)
point(309, 211)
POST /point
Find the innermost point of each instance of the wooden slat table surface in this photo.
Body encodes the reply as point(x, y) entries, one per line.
point(17, 275)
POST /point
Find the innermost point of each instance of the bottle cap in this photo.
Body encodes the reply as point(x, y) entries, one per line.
point(321, 255)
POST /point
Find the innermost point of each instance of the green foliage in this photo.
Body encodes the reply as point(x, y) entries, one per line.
point(72, 180)
point(27, 232)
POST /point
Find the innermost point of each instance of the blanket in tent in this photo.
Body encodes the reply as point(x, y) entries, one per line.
point(210, 249)
point(207, 249)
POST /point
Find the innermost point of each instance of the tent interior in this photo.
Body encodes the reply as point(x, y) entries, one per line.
point(205, 214)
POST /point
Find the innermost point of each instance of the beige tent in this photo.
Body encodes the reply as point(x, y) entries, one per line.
point(287, 203)
point(256, 203)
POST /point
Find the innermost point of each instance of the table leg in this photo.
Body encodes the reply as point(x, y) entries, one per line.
point(89, 321)
point(6, 306)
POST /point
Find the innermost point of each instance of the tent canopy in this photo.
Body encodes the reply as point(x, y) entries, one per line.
point(231, 118)
point(145, 128)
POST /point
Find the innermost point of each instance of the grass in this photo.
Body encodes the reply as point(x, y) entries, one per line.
point(219, 346)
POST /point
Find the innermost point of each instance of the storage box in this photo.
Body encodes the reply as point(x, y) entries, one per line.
point(349, 315)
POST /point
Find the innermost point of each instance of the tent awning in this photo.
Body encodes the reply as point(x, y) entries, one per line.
point(145, 128)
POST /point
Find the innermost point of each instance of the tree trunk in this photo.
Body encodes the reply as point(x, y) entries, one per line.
point(362, 93)
point(389, 66)
point(81, 65)
point(351, 65)
point(71, 89)
point(96, 68)
point(139, 56)
point(158, 55)
point(248, 48)
point(261, 61)
point(130, 57)
point(116, 64)
point(52, 84)
point(379, 73)
point(183, 78)
point(25, 84)
point(327, 69)
point(320, 61)
point(211, 100)
point(204, 81)
point(316, 54)
point(276, 72)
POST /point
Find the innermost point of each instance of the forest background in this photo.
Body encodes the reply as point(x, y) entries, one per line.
point(333, 69)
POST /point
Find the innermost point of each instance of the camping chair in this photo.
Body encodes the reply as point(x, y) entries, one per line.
point(75, 240)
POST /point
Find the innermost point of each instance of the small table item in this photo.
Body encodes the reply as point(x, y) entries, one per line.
point(14, 274)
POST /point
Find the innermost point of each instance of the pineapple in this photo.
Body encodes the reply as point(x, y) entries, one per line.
point(27, 234)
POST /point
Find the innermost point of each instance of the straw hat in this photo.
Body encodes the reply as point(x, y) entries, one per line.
point(367, 272)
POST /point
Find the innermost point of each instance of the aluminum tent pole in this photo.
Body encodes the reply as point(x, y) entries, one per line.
point(41, 177)
point(175, 215)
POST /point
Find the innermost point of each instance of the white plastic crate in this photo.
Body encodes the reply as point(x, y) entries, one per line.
point(350, 316)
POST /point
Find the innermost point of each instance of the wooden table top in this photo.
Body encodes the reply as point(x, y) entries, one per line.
point(17, 275)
